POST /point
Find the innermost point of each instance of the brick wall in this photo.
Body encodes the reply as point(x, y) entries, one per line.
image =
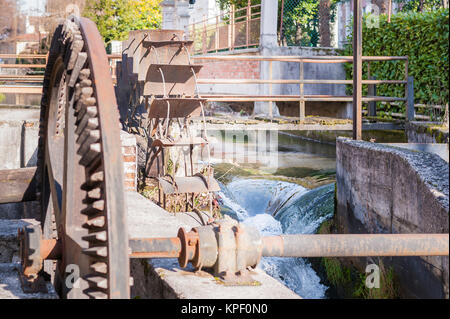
point(129, 151)
point(228, 69)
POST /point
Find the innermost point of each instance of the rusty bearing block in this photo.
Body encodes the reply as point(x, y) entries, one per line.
point(226, 247)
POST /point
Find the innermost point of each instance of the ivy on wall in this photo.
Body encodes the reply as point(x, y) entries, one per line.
point(424, 38)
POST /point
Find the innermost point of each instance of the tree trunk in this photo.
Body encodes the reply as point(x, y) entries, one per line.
point(382, 4)
point(324, 23)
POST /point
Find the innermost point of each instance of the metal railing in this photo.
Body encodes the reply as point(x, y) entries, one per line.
point(234, 29)
point(32, 84)
point(302, 97)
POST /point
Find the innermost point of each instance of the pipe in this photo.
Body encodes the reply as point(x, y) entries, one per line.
point(356, 245)
point(155, 247)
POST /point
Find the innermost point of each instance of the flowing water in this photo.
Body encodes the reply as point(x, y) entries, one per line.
point(276, 206)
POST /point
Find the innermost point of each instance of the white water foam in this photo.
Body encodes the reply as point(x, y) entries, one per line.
point(255, 201)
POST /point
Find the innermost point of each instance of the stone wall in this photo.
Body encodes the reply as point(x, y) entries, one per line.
point(383, 189)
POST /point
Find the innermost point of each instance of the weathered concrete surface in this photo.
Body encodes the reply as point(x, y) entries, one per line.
point(10, 285)
point(19, 129)
point(382, 189)
point(158, 278)
point(9, 245)
point(440, 149)
point(426, 132)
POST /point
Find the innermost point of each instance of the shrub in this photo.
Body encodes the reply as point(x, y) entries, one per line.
point(423, 37)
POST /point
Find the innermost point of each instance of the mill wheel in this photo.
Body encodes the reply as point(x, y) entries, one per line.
point(80, 168)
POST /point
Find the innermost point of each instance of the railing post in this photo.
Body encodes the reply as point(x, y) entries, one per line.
point(232, 27)
point(357, 70)
point(247, 24)
point(410, 113)
point(372, 92)
point(270, 89)
point(217, 34)
point(204, 35)
point(302, 93)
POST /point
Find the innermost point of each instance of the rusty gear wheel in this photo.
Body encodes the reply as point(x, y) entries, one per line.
point(80, 179)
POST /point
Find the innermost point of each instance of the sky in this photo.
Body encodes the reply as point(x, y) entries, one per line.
point(32, 7)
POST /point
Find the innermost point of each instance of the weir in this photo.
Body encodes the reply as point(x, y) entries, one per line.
point(84, 216)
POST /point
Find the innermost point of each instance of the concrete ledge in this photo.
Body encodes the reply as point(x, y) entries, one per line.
point(163, 278)
point(386, 189)
point(10, 285)
point(9, 245)
point(426, 132)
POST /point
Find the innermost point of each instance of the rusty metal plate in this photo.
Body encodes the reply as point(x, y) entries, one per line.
point(188, 184)
point(178, 80)
point(178, 108)
point(164, 52)
point(184, 141)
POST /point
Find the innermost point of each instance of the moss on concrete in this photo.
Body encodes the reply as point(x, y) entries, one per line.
point(329, 137)
point(346, 281)
point(303, 176)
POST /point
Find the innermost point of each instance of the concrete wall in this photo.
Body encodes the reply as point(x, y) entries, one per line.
point(281, 70)
point(420, 132)
point(229, 70)
point(382, 189)
point(19, 129)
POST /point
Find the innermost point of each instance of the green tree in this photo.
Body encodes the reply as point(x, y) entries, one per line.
point(115, 18)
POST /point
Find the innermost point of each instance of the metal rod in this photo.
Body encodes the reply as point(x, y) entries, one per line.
point(292, 81)
point(296, 58)
point(155, 247)
point(302, 93)
point(294, 98)
point(313, 245)
point(270, 89)
point(356, 245)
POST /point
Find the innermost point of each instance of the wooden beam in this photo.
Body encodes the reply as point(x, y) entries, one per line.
point(17, 185)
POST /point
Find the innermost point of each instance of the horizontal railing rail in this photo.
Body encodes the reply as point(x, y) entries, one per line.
point(32, 84)
point(233, 29)
point(408, 98)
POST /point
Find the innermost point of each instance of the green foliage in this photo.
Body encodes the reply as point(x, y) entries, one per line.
point(301, 21)
point(115, 18)
point(423, 37)
point(2, 97)
point(336, 273)
point(226, 4)
point(415, 5)
point(388, 285)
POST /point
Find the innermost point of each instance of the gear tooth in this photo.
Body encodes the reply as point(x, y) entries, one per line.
point(99, 251)
point(94, 208)
point(93, 181)
point(95, 222)
point(91, 138)
point(96, 237)
point(88, 124)
point(92, 153)
point(98, 281)
point(84, 74)
point(100, 267)
point(94, 294)
point(95, 194)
